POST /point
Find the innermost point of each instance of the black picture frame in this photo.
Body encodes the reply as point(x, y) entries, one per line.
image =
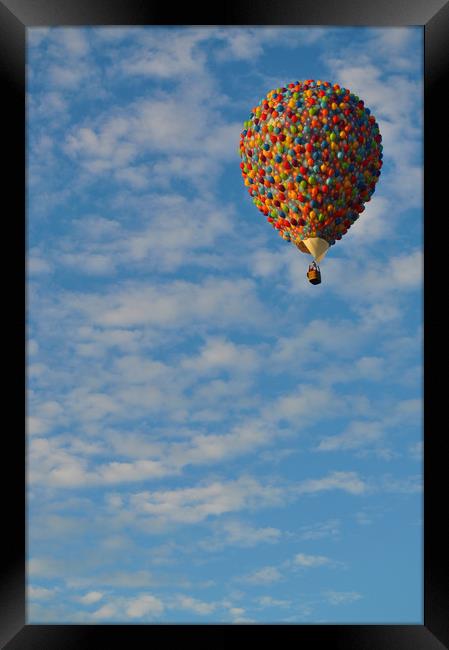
point(15, 17)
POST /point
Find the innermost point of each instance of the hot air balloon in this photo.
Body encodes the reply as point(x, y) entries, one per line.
point(311, 156)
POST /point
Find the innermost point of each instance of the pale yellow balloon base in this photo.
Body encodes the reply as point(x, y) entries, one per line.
point(314, 246)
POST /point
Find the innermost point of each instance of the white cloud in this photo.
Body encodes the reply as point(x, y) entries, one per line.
point(60, 460)
point(117, 580)
point(35, 35)
point(66, 77)
point(391, 40)
point(237, 614)
point(368, 515)
point(91, 597)
point(371, 367)
point(319, 341)
point(114, 34)
point(308, 404)
point(96, 341)
point(310, 561)
point(168, 56)
point(41, 593)
point(36, 370)
point(32, 347)
point(45, 567)
point(90, 263)
point(194, 605)
point(248, 43)
point(171, 304)
point(189, 140)
point(408, 410)
point(38, 265)
point(136, 176)
point(407, 271)
point(359, 434)
point(416, 450)
point(144, 605)
point(341, 597)
point(376, 280)
point(106, 612)
point(49, 462)
point(219, 353)
point(265, 262)
point(330, 528)
point(36, 426)
point(44, 415)
point(346, 481)
point(240, 533)
point(407, 485)
point(192, 505)
point(47, 103)
point(71, 39)
point(65, 462)
point(373, 223)
point(242, 44)
point(269, 601)
point(67, 61)
point(265, 575)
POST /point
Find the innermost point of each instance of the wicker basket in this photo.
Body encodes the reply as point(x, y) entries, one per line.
point(314, 276)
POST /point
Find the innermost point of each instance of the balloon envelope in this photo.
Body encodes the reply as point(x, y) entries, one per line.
point(311, 156)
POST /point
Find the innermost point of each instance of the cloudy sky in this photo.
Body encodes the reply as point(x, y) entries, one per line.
point(210, 437)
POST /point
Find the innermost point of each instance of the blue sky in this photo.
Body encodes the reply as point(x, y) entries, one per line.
point(210, 437)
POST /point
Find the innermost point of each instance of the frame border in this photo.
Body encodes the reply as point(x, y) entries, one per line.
point(433, 15)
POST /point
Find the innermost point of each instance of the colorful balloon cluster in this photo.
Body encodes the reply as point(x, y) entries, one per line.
point(311, 157)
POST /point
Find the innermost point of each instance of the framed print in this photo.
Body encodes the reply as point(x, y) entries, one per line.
point(214, 445)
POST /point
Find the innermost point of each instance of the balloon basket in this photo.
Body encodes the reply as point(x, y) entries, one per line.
point(314, 276)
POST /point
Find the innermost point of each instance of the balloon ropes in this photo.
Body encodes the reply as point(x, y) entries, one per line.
point(311, 156)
